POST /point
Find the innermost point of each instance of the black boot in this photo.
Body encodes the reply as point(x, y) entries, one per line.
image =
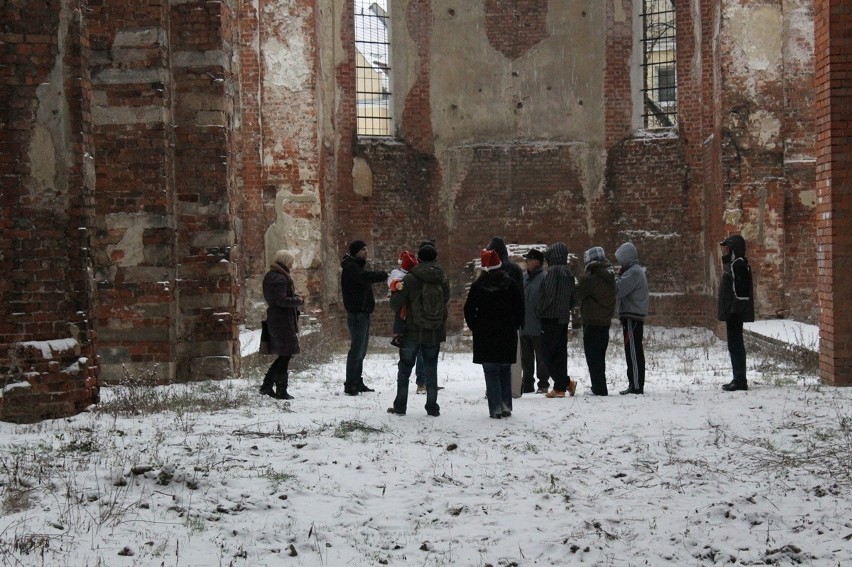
point(735, 385)
point(266, 387)
point(281, 387)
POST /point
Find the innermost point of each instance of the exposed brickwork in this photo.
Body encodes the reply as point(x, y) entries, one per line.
point(513, 28)
point(47, 358)
point(154, 156)
point(833, 20)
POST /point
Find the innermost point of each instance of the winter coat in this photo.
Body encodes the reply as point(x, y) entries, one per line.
point(412, 286)
point(282, 313)
point(493, 311)
point(532, 292)
point(596, 294)
point(736, 295)
point(632, 284)
point(512, 269)
point(557, 289)
point(356, 285)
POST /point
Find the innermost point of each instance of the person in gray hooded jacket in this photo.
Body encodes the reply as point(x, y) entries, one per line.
point(554, 309)
point(632, 298)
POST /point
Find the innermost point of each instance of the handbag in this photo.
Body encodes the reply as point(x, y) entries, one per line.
point(264, 338)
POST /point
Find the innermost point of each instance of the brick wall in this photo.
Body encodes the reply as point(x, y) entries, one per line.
point(47, 360)
point(833, 178)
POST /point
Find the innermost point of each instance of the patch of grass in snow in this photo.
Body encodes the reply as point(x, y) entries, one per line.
point(136, 395)
point(347, 427)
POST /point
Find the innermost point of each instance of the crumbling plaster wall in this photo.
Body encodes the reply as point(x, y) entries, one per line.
point(767, 101)
point(284, 208)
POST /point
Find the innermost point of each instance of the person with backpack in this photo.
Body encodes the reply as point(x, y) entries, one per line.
point(596, 295)
point(425, 292)
point(736, 305)
point(494, 311)
point(356, 283)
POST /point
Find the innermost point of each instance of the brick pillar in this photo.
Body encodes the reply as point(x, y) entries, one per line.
point(48, 368)
point(832, 22)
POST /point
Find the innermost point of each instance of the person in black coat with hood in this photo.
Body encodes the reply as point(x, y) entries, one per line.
point(736, 305)
point(356, 283)
point(494, 311)
point(282, 321)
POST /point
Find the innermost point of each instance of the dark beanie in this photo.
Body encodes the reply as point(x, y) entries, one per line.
point(356, 247)
point(427, 253)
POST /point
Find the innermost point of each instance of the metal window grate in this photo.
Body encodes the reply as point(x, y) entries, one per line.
point(372, 68)
point(659, 63)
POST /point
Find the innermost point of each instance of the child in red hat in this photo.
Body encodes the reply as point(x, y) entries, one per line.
point(407, 260)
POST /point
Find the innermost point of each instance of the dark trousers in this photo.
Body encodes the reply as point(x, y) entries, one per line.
point(554, 342)
point(419, 370)
point(277, 373)
point(736, 348)
point(634, 352)
point(532, 362)
point(498, 387)
point(359, 337)
point(595, 343)
point(407, 359)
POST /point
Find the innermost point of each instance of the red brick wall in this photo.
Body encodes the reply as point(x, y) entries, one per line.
point(46, 337)
point(833, 20)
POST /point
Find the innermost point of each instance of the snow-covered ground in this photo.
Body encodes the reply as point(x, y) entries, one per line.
point(685, 475)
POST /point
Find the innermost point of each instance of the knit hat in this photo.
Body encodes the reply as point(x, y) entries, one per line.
point(490, 260)
point(594, 254)
point(534, 254)
point(427, 253)
point(407, 260)
point(356, 246)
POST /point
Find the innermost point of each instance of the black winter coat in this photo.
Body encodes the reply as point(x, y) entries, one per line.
point(356, 285)
point(736, 295)
point(282, 315)
point(494, 311)
point(596, 294)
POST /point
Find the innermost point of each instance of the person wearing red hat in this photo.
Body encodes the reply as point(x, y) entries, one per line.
point(494, 311)
point(407, 260)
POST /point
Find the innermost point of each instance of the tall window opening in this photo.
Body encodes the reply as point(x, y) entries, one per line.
point(659, 63)
point(372, 68)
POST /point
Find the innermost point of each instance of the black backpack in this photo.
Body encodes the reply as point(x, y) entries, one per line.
point(428, 308)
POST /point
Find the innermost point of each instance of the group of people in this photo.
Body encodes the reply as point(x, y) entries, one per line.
point(508, 310)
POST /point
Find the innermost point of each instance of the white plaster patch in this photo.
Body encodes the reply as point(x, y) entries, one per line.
point(808, 198)
point(758, 32)
point(765, 128)
point(286, 64)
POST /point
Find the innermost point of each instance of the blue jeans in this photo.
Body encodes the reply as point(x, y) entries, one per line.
point(359, 337)
point(419, 371)
point(407, 360)
point(498, 387)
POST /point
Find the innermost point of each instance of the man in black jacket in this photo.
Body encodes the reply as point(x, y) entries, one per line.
point(356, 285)
point(736, 305)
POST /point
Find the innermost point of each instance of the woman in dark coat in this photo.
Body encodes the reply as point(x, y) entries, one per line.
point(494, 311)
point(282, 320)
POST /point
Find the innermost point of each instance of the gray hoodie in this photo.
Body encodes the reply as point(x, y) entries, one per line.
point(632, 284)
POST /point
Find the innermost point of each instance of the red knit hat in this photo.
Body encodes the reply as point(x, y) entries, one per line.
point(408, 260)
point(489, 260)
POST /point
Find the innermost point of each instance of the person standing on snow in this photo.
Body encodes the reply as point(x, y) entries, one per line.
point(736, 305)
point(532, 354)
point(425, 292)
point(633, 301)
point(356, 283)
point(554, 310)
point(282, 321)
point(494, 310)
point(596, 295)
